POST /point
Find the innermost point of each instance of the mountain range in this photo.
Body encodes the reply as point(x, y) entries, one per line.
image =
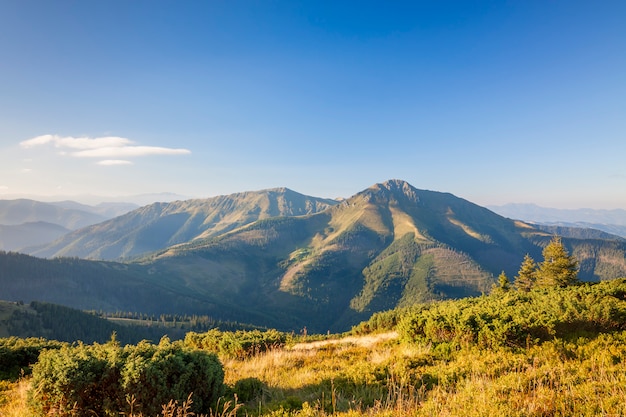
point(159, 225)
point(281, 259)
point(25, 222)
point(610, 221)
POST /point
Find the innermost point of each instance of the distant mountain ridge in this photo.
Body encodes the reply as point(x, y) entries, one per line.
point(609, 221)
point(580, 230)
point(107, 210)
point(159, 225)
point(535, 213)
point(90, 200)
point(15, 212)
point(326, 268)
point(17, 237)
point(25, 223)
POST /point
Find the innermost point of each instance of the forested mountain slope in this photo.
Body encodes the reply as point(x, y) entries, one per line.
point(389, 245)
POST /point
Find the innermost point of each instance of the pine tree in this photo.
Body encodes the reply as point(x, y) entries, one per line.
point(527, 274)
point(559, 268)
point(503, 282)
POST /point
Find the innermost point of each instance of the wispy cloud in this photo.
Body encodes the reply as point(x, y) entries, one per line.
point(105, 147)
point(128, 151)
point(3, 188)
point(112, 162)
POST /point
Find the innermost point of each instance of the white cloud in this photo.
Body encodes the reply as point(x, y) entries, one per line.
point(26, 170)
point(112, 162)
point(128, 151)
point(3, 188)
point(104, 147)
point(76, 143)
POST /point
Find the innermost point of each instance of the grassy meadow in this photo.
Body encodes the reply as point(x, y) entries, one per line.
point(391, 378)
point(472, 357)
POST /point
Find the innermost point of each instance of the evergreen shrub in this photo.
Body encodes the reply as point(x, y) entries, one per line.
point(239, 344)
point(17, 355)
point(516, 318)
point(86, 380)
point(248, 389)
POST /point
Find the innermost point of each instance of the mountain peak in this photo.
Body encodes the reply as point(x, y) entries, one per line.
point(399, 186)
point(395, 189)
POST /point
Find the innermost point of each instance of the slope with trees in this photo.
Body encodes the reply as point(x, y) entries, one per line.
point(390, 245)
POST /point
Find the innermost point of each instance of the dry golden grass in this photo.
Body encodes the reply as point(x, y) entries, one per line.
point(587, 378)
point(385, 378)
point(13, 398)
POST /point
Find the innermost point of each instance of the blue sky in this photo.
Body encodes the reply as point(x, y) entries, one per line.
point(493, 101)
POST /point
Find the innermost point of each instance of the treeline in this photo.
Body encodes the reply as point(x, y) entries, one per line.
point(185, 322)
point(56, 322)
point(510, 318)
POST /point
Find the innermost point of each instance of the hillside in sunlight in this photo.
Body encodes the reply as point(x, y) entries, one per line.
point(159, 225)
point(387, 246)
point(279, 259)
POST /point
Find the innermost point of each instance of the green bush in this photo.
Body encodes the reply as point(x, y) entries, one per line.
point(105, 380)
point(239, 344)
point(157, 374)
point(248, 389)
point(77, 380)
point(18, 355)
point(518, 318)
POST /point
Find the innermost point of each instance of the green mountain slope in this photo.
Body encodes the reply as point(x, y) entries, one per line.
point(160, 225)
point(390, 245)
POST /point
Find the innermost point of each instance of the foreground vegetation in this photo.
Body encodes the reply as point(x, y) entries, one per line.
point(557, 351)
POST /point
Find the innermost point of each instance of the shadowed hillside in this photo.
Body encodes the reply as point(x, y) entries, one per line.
point(16, 237)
